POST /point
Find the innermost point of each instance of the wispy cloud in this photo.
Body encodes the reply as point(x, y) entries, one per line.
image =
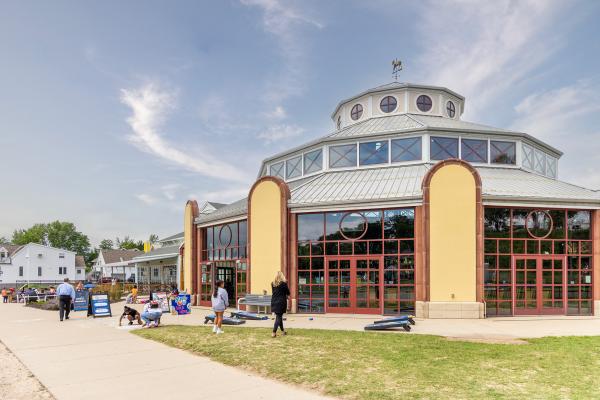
point(146, 198)
point(276, 133)
point(150, 106)
point(482, 49)
point(285, 22)
point(568, 118)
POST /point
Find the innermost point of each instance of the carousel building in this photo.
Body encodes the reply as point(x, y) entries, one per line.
point(406, 208)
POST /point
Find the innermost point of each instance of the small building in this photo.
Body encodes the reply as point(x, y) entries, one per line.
point(406, 208)
point(116, 264)
point(160, 267)
point(39, 264)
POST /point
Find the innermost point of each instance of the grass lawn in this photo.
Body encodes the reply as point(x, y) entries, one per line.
point(370, 365)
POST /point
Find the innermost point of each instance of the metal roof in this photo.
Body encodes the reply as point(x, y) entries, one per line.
point(376, 184)
point(235, 209)
point(158, 254)
point(386, 124)
point(172, 237)
point(392, 86)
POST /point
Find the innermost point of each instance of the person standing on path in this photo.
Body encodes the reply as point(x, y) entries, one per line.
point(220, 302)
point(66, 295)
point(279, 301)
point(4, 295)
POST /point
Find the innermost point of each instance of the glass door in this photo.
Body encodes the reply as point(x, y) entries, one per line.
point(339, 282)
point(354, 285)
point(367, 272)
point(539, 285)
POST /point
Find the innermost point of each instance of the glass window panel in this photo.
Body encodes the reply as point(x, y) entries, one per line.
point(442, 148)
point(399, 224)
point(243, 233)
point(579, 224)
point(539, 162)
point(374, 230)
point(551, 166)
point(313, 161)
point(503, 152)
point(278, 170)
point(474, 150)
point(406, 149)
point(342, 156)
point(333, 221)
point(519, 222)
point(373, 153)
point(293, 167)
point(527, 157)
point(331, 248)
point(497, 222)
point(310, 227)
point(388, 104)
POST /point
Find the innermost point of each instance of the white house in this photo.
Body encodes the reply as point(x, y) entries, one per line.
point(36, 263)
point(116, 263)
point(161, 266)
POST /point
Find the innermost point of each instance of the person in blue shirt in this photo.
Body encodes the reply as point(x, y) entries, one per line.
point(66, 296)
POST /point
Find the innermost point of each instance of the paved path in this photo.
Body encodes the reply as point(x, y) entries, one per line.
point(84, 359)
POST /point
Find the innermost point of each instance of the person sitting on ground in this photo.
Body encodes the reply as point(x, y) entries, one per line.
point(151, 314)
point(52, 290)
point(131, 314)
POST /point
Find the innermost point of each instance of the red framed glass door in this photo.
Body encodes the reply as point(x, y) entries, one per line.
point(354, 284)
point(539, 285)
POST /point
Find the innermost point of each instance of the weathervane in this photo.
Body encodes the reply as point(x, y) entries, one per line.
point(397, 67)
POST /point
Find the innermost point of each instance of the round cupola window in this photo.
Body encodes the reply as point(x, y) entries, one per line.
point(339, 122)
point(356, 112)
point(388, 104)
point(450, 109)
point(424, 103)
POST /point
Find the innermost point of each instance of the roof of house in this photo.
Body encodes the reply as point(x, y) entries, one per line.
point(11, 248)
point(118, 255)
point(172, 237)
point(232, 210)
point(79, 261)
point(158, 254)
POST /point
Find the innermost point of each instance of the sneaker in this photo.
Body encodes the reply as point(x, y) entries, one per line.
point(130, 323)
point(219, 331)
point(215, 329)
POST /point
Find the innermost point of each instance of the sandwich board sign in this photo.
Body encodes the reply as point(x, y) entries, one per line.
point(101, 305)
point(163, 300)
point(182, 304)
point(82, 298)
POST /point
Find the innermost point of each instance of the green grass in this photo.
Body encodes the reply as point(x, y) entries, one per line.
point(369, 365)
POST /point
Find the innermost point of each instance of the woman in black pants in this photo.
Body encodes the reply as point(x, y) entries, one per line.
point(279, 301)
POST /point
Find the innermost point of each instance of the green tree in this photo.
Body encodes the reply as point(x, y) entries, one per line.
point(106, 244)
point(129, 244)
point(64, 235)
point(35, 234)
point(4, 240)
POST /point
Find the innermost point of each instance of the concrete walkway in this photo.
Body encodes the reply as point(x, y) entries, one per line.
point(85, 358)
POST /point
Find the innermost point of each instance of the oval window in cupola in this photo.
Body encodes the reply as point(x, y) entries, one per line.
point(356, 112)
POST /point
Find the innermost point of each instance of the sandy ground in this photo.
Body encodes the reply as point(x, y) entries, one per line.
point(16, 382)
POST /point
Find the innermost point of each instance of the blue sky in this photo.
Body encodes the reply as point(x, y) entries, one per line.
point(113, 114)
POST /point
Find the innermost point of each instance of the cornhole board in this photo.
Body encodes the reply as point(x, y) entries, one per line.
point(248, 315)
point(226, 320)
point(384, 326)
point(408, 318)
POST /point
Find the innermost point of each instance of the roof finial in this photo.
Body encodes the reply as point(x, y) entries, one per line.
point(397, 67)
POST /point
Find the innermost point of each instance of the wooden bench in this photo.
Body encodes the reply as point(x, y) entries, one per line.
point(257, 300)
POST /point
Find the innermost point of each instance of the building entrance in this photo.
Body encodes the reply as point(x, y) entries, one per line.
point(354, 285)
point(227, 275)
point(539, 285)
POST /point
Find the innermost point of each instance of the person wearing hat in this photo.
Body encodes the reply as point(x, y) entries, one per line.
point(66, 296)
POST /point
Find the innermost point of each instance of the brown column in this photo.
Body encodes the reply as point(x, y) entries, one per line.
point(293, 261)
point(479, 245)
point(196, 266)
point(420, 272)
point(596, 256)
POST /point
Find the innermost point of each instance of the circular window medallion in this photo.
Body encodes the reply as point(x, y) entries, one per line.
point(450, 109)
point(424, 103)
point(225, 236)
point(356, 112)
point(353, 226)
point(388, 104)
point(539, 224)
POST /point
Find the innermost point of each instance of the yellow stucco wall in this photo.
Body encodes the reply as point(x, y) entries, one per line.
point(188, 235)
point(265, 236)
point(453, 235)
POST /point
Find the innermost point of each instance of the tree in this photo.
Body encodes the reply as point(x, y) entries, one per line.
point(63, 235)
point(153, 238)
point(129, 244)
point(35, 234)
point(106, 244)
point(4, 240)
